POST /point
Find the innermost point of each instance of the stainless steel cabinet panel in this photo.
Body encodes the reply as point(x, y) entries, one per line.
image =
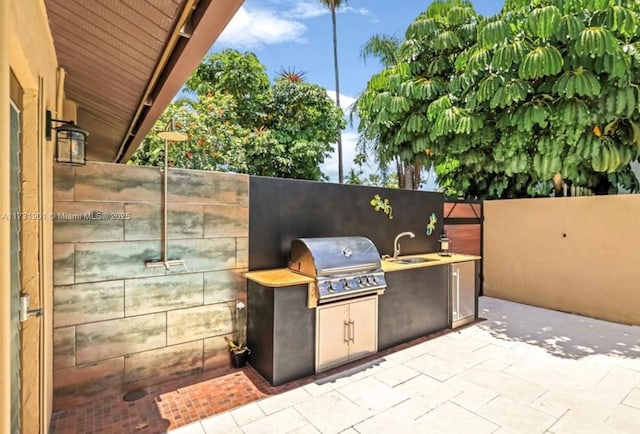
point(333, 336)
point(363, 315)
point(346, 331)
point(463, 293)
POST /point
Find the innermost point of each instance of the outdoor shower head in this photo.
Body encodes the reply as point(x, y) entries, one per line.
point(171, 134)
point(174, 136)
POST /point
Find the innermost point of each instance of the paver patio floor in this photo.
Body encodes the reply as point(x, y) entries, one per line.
point(523, 370)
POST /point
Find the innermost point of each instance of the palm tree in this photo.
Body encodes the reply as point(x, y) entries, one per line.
point(383, 47)
point(333, 5)
point(387, 49)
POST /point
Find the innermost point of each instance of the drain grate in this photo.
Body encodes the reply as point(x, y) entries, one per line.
point(134, 395)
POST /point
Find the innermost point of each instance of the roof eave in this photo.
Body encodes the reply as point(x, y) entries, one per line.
point(208, 20)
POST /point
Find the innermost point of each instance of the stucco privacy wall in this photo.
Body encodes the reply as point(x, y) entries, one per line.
point(32, 61)
point(577, 254)
point(119, 326)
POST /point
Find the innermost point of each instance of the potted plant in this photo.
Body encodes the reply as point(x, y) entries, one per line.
point(238, 345)
point(239, 352)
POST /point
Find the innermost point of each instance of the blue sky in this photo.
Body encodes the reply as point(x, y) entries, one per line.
point(296, 34)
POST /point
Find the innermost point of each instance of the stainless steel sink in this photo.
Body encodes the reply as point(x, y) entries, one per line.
point(413, 260)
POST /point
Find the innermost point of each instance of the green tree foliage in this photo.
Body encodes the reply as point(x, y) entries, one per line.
point(240, 75)
point(357, 177)
point(216, 141)
point(381, 178)
point(238, 121)
point(383, 47)
point(303, 122)
point(546, 90)
point(408, 172)
point(393, 108)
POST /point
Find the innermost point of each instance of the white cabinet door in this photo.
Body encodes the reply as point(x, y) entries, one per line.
point(345, 331)
point(332, 337)
point(363, 327)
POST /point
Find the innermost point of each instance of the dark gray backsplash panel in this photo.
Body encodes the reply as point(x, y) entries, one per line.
point(284, 209)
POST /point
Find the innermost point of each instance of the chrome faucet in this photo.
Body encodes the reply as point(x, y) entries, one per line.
point(396, 242)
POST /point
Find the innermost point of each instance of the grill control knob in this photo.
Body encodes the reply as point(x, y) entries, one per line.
point(345, 283)
point(363, 281)
point(373, 280)
point(331, 287)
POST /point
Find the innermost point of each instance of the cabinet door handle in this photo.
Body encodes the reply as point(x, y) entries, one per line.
point(458, 290)
point(352, 331)
point(454, 291)
point(346, 332)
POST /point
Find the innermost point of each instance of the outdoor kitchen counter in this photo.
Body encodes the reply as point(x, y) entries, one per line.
point(277, 278)
point(416, 302)
point(433, 259)
point(281, 277)
point(281, 328)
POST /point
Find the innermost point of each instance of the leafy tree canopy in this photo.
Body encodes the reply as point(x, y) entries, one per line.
point(357, 177)
point(240, 75)
point(238, 121)
point(503, 106)
point(393, 107)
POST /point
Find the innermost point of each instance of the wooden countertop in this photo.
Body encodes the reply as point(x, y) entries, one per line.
point(435, 259)
point(284, 277)
point(278, 278)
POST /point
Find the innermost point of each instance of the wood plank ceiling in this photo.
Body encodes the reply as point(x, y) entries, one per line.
point(111, 50)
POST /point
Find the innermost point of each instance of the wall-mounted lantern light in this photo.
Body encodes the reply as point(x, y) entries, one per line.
point(70, 140)
point(444, 244)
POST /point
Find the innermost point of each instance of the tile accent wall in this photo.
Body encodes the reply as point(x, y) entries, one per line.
point(119, 326)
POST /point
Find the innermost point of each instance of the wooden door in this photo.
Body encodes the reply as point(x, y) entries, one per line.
point(15, 268)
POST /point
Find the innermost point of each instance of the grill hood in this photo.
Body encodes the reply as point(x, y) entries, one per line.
point(330, 256)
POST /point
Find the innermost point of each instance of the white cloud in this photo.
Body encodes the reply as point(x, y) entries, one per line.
point(254, 28)
point(345, 101)
point(312, 9)
point(330, 165)
point(349, 143)
point(304, 10)
point(358, 11)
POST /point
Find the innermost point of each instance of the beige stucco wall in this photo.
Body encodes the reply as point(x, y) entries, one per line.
point(5, 277)
point(576, 254)
point(33, 61)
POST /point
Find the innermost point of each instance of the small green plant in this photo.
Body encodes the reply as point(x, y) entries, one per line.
point(235, 347)
point(239, 318)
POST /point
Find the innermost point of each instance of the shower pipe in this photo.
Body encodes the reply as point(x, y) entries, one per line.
point(165, 262)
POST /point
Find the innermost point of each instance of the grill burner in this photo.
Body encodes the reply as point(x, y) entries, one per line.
point(342, 267)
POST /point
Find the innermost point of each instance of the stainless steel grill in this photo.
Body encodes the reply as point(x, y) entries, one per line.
point(342, 267)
